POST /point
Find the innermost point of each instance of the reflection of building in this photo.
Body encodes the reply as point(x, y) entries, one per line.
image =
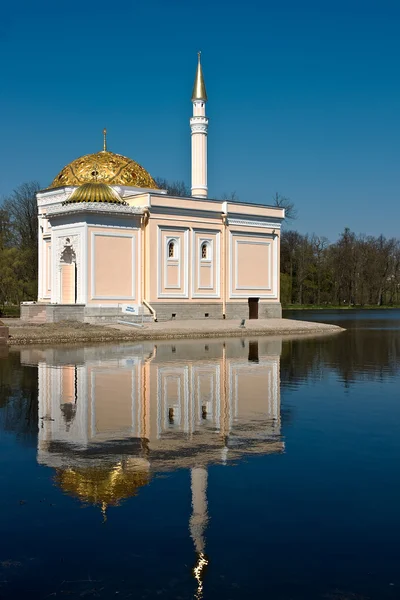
point(163, 403)
point(109, 415)
point(108, 236)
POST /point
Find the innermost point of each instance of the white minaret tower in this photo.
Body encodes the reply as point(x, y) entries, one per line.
point(199, 127)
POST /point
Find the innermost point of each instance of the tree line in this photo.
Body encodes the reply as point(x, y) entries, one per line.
point(354, 270)
point(18, 245)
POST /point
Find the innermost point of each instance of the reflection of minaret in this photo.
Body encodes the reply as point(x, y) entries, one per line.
point(198, 524)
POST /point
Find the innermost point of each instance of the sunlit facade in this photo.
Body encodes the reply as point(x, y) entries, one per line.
point(108, 238)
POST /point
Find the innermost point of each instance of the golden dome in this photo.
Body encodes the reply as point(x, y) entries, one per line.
point(104, 167)
point(102, 486)
point(95, 192)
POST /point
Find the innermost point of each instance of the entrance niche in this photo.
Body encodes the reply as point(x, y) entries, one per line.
point(253, 308)
point(68, 274)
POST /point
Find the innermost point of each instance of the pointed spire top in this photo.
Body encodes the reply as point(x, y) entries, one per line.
point(104, 140)
point(199, 88)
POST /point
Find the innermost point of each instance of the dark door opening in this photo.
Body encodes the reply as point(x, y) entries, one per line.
point(253, 352)
point(253, 308)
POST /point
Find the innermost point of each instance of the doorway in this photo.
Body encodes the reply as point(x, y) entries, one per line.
point(68, 284)
point(253, 308)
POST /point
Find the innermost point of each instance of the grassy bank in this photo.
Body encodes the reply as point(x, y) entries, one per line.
point(10, 310)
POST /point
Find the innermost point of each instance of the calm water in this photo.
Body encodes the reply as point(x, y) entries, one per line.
point(206, 469)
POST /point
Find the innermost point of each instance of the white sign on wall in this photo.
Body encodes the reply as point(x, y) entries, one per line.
point(130, 309)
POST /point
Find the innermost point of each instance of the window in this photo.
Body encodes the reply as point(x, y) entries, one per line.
point(171, 249)
point(205, 251)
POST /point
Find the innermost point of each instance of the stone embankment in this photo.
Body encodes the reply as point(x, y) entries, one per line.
point(4, 333)
point(22, 332)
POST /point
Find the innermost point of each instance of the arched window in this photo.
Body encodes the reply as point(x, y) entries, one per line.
point(171, 249)
point(205, 251)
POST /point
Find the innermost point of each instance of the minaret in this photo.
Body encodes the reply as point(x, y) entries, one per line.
point(199, 127)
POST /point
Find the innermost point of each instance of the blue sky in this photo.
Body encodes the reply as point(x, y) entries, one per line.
point(304, 98)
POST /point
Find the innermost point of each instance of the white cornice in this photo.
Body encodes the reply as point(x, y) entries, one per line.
point(50, 197)
point(93, 207)
point(254, 223)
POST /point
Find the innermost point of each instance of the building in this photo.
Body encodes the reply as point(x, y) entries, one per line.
point(110, 239)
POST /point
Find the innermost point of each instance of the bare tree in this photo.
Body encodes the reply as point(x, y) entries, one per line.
point(231, 197)
point(21, 207)
point(287, 204)
point(174, 188)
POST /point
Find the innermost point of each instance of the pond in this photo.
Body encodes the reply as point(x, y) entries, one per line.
point(210, 469)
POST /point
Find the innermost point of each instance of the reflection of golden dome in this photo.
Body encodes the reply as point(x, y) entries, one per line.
point(95, 192)
point(102, 486)
point(104, 167)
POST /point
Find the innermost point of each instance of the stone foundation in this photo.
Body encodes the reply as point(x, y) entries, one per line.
point(266, 310)
point(113, 314)
point(234, 310)
point(52, 313)
point(183, 311)
point(179, 311)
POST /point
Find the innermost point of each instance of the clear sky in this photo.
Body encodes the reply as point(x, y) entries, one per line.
point(304, 97)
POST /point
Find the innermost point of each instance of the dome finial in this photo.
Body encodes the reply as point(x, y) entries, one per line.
point(104, 140)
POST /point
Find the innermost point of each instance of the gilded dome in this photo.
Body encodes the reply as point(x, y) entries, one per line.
point(102, 486)
point(104, 167)
point(95, 192)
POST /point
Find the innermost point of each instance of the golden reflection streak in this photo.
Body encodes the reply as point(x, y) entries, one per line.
point(198, 573)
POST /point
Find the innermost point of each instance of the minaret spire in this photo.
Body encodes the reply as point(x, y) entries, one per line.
point(199, 128)
point(104, 140)
point(199, 87)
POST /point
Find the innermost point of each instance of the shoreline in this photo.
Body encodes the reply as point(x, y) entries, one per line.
point(24, 333)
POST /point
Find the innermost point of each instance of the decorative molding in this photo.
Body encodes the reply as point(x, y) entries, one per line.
point(132, 237)
point(273, 294)
point(212, 236)
point(162, 259)
point(248, 223)
point(270, 266)
point(53, 197)
point(199, 128)
point(67, 240)
point(199, 124)
point(172, 261)
point(59, 241)
point(93, 207)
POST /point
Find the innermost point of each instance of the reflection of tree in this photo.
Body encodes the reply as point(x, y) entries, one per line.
point(18, 398)
point(355, 355)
